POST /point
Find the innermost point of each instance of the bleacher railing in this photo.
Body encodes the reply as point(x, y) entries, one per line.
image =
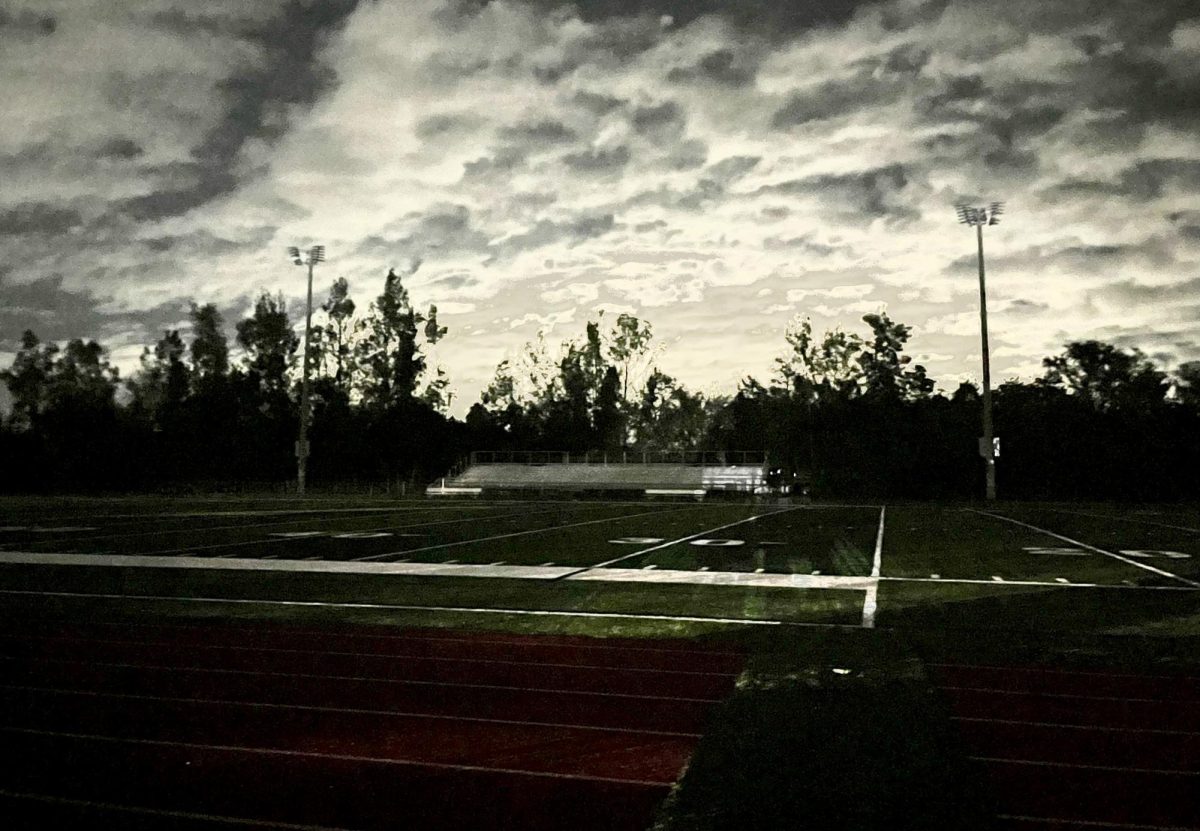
point(618, 457)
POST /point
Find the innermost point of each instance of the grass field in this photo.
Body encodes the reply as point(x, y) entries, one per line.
point(839, 656)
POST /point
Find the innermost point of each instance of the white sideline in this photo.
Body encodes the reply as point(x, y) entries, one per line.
point(1126, 560)
point(871, 601)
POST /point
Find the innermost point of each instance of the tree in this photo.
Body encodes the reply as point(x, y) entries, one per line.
point(335, 335)
point(818, 371)
point(883, 364)
point(1106, 377)
point(629, 344)
point(389, 349)
point(210, 348)
point(1188, 384)
point(270, 344)
point(28, 378)
point(162, 384)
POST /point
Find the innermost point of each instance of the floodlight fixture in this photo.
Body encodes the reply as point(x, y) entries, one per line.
point(314, 255)
point(977, 217)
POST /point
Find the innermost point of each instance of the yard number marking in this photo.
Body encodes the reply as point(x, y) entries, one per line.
point(1152, 553)
point(1062, 552)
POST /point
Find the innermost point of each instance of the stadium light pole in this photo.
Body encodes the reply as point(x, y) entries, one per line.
point(978, 217)
point(310, 258)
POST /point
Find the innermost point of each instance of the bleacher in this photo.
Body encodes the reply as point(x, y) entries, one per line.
point(691, 473)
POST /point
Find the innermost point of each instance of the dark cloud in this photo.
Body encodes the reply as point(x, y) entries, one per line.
point(503, 161)
point(444, 124)
point(289, 74)
point(447, 228)
point(455, 281)
point(119, 148)
point(832, 99)
point(663, 121)
point(873, 193)
point(598, 161)
point(27, 23)
point(732, 168)
point(596, 103)
point(542, 132)
point(1143, 181)
point(723, 66)
point(38, 218)
point(573, 232)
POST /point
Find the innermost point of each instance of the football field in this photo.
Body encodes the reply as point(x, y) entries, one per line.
point(508, 663)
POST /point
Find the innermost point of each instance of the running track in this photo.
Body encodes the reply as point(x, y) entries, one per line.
point(223, 726)
point(1081, 749)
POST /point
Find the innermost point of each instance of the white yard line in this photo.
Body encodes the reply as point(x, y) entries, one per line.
point(1126, 560)
point(358, 711)
point(322, 604)
point(1127, 519)
point(1050, 584)
point(308, 754)
point(871, 600)
point(521, 533)
point(669, 543)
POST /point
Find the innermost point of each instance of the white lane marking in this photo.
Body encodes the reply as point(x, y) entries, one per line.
point(759, 570)
point(717, 543)
point(524, 533)
point(936, 576)
point(1081, 766)
point(1073, 696)
point(724, 578)
point(370, 679)
point(877, 563)
point(1135, 563)
point(1127, 519)
point(1124, 585)
point(689, 537)
point(244, 543)
point(997, 578)
point(362, 711)
point(1052, 671)
point(1087, 823)
point(871, 600)
point(636, 540)
point(1061, 580)
point(1059, 552)
point(1151, 553)
point(142, 810)
point(309, 754)
point(400, 607)
point(649, 567)
point(1056, 725)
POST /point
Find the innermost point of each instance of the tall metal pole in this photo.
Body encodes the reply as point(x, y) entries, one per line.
point(302, 445)
point(990, 457)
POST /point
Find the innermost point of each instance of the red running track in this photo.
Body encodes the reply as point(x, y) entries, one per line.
point(167, 726)
point(1081, 749)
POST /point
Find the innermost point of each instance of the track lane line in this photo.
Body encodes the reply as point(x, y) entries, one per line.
point(164, 812)
point(871, 600)
point(1091, 823)
point(1126, 560)
point(1062, 726)
point(411, 551)
point(669, 543)
point(1041, 763)
point(340, 654)
point(1125, 519)
point(341, 757)
point(358, 711)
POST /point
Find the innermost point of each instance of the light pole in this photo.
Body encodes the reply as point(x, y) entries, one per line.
point(978, 217)
point(314, 255)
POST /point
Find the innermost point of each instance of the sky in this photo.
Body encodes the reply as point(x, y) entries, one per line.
point(716, 167)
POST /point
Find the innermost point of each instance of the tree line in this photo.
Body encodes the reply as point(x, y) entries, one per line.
point(848, 412)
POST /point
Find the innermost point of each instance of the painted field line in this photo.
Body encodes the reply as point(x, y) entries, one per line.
point(1191, 679)
point(1047, 583)
point(343, 654)
point(490, 638)
point(162, 812)
point(1088, 823)
point(363, 530)
point(871, 601)
point(357, 711)
point(1054, 725)
point(310, 754)
point(1126, 519)
point(411, 551)
point(323, 604)
point(1126, 560)
point(1073, 696)
point(669, 543)
point(368, 679)
point(1041, 763)
point(720, 578)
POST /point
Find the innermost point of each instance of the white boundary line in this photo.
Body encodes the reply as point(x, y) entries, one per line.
point(163, 812)
point(1090, 823)
point(1144, 566)
point(521, 533)
point(365, 679)
point(342, 757)
point(354, 711)
point(343, 654)
point(871, 600)
point(669, 543)
point(322, 604)
point(1048, 584)
point(1080, 766)
point(1126, 519)
point(1055, 725)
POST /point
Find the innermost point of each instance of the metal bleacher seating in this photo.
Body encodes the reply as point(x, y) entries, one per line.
point(692, 473)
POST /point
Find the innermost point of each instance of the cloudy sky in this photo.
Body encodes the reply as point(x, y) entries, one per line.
point(714, 166)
